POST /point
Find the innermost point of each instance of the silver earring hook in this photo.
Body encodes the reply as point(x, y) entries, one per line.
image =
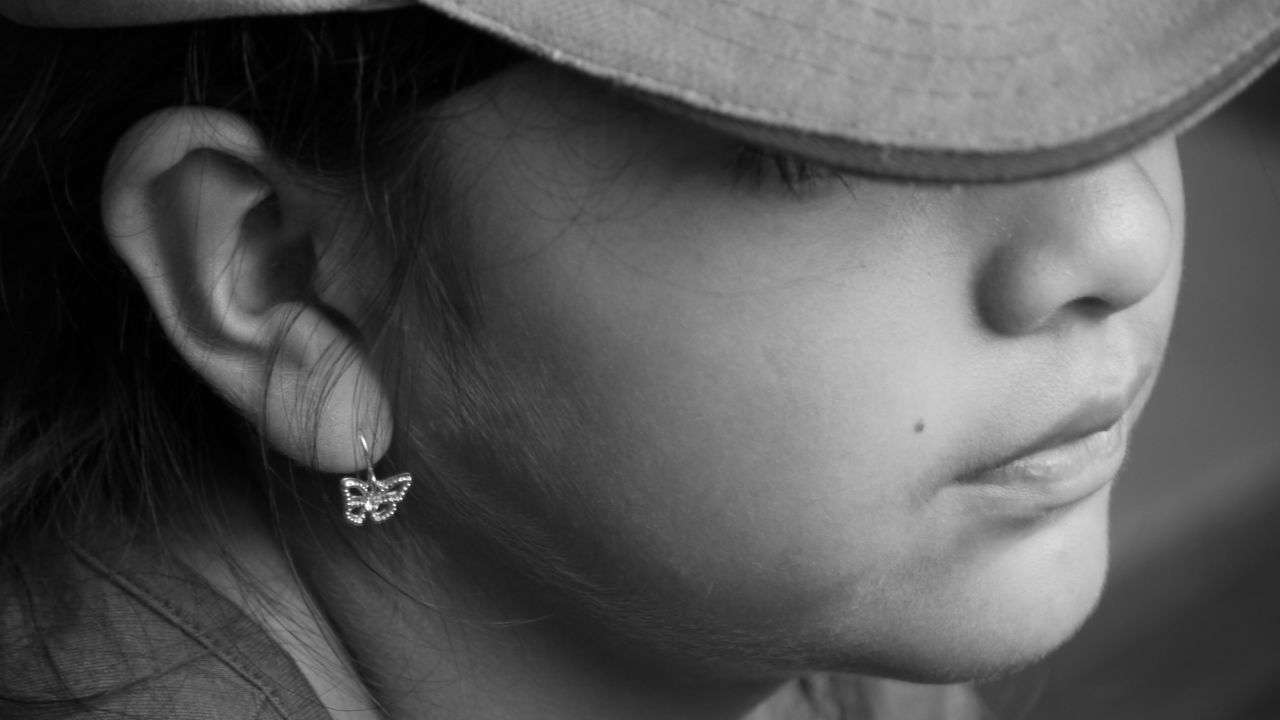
point(368, 454)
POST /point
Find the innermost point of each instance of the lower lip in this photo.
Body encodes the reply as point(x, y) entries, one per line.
point(1054, 478)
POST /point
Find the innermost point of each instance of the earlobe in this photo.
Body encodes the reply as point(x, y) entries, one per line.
point(223, 243)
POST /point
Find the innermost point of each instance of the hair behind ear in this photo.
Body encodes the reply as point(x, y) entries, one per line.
point(101, 420)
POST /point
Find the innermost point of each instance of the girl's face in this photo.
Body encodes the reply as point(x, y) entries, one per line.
point(865, 425)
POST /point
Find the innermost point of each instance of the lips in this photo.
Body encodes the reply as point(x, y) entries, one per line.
point(1094, 417)
point(1068, 462)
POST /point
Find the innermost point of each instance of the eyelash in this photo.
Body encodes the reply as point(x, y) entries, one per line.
point(761, 166)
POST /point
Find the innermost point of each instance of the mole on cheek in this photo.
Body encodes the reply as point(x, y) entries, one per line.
point(920, 426)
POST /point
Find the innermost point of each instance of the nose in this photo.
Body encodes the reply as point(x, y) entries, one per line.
point(1084, 246)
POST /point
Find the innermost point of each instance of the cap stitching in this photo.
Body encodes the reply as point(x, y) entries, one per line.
point(823, 69)
point(892, 19)
point(649, 83)
point(951, 25)
point(877, 49)
point(1168, 21)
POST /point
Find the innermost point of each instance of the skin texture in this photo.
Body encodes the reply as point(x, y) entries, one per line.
point(777, 390)
point(743, 408)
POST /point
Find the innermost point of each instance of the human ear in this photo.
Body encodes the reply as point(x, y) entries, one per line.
point(224, 243)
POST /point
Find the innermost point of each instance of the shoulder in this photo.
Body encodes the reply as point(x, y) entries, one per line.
point(96, 634)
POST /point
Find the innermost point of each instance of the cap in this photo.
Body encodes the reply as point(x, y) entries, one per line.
point(935, 90)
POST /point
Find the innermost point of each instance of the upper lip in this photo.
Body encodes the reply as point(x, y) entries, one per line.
point(1095, 414)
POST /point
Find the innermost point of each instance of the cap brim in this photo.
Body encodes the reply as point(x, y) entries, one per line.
point(936, 90)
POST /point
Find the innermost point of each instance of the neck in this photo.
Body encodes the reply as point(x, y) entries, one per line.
point(443, 649)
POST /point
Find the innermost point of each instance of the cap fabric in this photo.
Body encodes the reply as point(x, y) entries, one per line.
point(947, 90)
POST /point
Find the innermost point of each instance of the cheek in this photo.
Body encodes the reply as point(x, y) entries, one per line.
point(754, 410)
point(753, 464)
point(749, 436)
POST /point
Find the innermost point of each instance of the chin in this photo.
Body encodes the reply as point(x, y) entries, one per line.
point(987, 645)
point(1009, 604)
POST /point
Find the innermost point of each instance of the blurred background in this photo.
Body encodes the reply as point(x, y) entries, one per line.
point(1189, 627)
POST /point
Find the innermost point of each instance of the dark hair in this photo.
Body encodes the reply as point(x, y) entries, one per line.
point(102, 424)
point(96, 408)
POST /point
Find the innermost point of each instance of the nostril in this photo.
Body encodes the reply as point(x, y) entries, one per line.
point(1092, 306)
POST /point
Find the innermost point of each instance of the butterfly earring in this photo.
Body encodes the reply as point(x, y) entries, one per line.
point(378, 499)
